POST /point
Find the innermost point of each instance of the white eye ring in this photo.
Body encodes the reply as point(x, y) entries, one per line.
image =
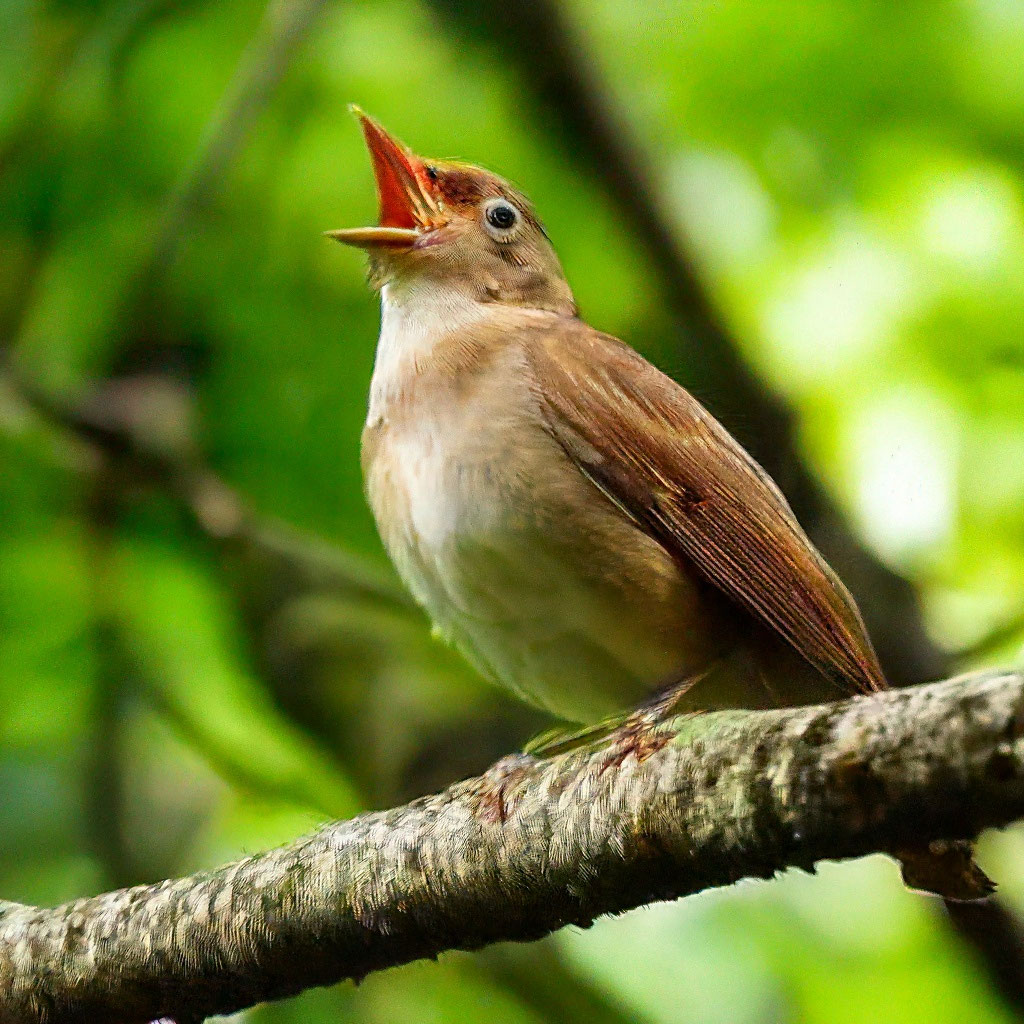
point(501, 219)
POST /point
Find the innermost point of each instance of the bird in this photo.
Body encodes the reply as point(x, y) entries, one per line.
point(573, 520)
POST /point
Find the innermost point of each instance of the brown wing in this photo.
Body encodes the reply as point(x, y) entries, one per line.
point(669, 465)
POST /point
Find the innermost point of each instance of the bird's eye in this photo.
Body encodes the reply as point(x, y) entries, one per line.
point(501, 218)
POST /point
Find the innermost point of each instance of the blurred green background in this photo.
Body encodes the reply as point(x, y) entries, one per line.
point(203, 651)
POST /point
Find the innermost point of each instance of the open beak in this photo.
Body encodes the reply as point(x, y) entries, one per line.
point(407, 207)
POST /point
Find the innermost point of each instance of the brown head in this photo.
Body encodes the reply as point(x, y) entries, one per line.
point(455, 225)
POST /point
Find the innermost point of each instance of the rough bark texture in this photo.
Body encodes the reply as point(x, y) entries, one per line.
point(529, 847)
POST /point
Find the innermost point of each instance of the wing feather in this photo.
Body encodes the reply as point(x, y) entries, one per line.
point(672, 468)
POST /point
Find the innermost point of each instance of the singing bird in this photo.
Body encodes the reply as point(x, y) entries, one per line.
point(572, 519)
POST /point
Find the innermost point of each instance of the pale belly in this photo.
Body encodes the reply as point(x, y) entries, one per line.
point(533, 574)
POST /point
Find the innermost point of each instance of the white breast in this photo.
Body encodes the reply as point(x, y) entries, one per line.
point(413, 319)
point(423, 448)
point(477, 506)
point(418, 484)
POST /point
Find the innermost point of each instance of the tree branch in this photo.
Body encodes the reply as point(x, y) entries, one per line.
point(144, 423)
point(529, 847)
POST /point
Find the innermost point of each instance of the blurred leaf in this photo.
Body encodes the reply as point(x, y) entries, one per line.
point(187, 646)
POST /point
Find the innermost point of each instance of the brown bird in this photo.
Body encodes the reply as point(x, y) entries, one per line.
point(573, 520)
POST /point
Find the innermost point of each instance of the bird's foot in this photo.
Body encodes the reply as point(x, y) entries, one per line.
point(639, 732)
point(495, 790)
point(639, 736)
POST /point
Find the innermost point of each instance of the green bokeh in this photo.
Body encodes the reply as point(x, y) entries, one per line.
point(849, 176)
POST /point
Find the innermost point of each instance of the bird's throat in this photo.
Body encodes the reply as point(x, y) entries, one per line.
point(418, 320)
